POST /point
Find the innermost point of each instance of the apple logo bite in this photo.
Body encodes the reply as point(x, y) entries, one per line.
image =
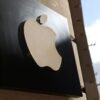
point(41, 43)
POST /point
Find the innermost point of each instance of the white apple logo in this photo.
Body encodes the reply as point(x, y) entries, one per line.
point(41, 43)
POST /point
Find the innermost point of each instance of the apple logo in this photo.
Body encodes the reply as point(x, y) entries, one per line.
point(41, 41)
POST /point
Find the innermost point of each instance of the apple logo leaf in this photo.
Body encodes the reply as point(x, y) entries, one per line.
point(41, 41)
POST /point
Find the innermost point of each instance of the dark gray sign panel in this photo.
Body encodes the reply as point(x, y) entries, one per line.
point(18, 67)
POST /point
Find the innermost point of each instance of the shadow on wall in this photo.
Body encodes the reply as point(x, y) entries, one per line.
point(99, 90)
point(16, 95)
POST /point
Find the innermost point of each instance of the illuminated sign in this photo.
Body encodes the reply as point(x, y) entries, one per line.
point(36, 52)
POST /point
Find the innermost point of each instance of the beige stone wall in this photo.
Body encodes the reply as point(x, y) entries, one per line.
point(83, 50)
point(15, 95)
